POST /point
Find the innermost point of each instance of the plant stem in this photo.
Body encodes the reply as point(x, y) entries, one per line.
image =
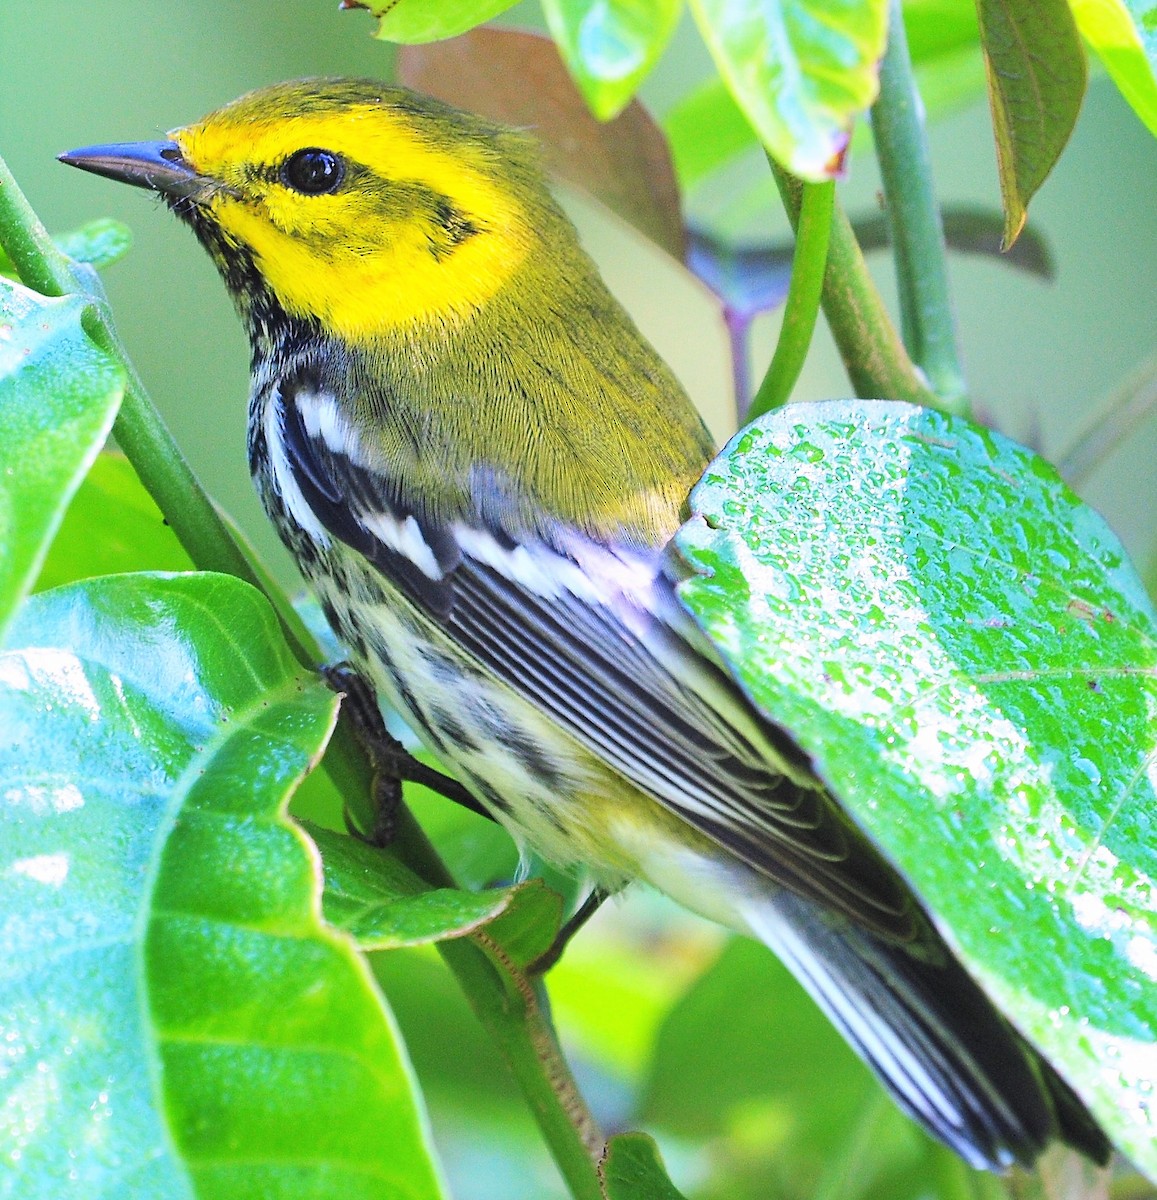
point(803, 298)
point(874, 357)
point(515, 1021)
point(139, 430)
point(914, 217)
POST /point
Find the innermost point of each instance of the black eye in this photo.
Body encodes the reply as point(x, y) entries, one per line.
point(313, 172)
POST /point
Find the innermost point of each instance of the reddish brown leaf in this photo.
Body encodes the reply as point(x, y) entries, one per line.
point(518, 78)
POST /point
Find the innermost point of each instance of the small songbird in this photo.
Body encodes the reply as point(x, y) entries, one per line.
point(478, 462)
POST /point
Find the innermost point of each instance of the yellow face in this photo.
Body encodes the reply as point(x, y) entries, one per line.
point(361, 212)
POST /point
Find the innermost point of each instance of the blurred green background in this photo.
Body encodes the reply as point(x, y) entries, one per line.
point(1041, 361)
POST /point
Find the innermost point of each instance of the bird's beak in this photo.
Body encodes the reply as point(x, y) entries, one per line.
point(155, 165)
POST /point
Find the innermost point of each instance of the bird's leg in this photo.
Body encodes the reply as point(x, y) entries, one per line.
point(392, 763)
point(581, 916)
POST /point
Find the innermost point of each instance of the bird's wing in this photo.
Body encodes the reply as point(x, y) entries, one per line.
point(593, 638)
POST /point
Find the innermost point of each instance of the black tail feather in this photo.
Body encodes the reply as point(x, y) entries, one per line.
point(936, 1041)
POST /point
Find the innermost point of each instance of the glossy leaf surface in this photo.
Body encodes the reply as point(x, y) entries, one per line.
point(1124, 37)
point(179, 1022)
point(1036, 83)
point(801, 71)
point(610, 45)
point(58, 398)
point(964, 651)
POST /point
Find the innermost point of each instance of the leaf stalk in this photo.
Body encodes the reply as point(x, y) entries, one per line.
point(803, 298)
point(873, 354)
point(918, 246)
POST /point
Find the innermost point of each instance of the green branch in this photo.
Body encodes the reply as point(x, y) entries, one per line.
point(803, 298)
point(874, 357)
point(517, 1024)
point(914, 217)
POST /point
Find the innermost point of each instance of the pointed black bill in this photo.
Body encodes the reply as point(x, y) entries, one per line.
point(155, 165)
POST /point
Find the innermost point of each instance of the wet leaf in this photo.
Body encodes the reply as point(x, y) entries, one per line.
point(1124, 36)
point(611, 45)
point(963, 649)
point(519, 79)
point(178, 1020)
point(631, 1169)
point(801, 71)
point(1036, 83)
point(58, 398)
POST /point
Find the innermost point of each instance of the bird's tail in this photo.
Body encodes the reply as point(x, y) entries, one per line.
point(920, 1021)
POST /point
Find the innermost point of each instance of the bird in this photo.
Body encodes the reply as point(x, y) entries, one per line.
point(479, 463)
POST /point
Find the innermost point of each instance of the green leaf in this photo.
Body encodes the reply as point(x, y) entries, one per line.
point(1036, 82)
point(631, 1169)
point(938, 29)
point(801, 70)
point(99, 243)
point(111, 527)
point(963, 650)
point(414, 21)
point(1124, 37)
point(526, 929)
point(706, 130)
point(178, 1020)
point(611, 45)
point(58, 397)
point(745, 1034)
point(383, 905)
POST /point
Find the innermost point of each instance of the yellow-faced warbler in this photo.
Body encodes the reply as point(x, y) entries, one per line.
point(477, 461)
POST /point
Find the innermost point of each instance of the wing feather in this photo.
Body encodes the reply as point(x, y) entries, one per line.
point(569, 625)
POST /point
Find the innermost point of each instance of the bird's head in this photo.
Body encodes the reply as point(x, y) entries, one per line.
point(363, 206)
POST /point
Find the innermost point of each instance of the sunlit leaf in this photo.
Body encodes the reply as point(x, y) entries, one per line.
point(1036, 83)
point(58, 397)
point(420, 21)
point(707, 128)
point(519, 79)
point(611, 45)
point(961, 647)
point(801, 71)
point(1124, 36)
point(178, 1021)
